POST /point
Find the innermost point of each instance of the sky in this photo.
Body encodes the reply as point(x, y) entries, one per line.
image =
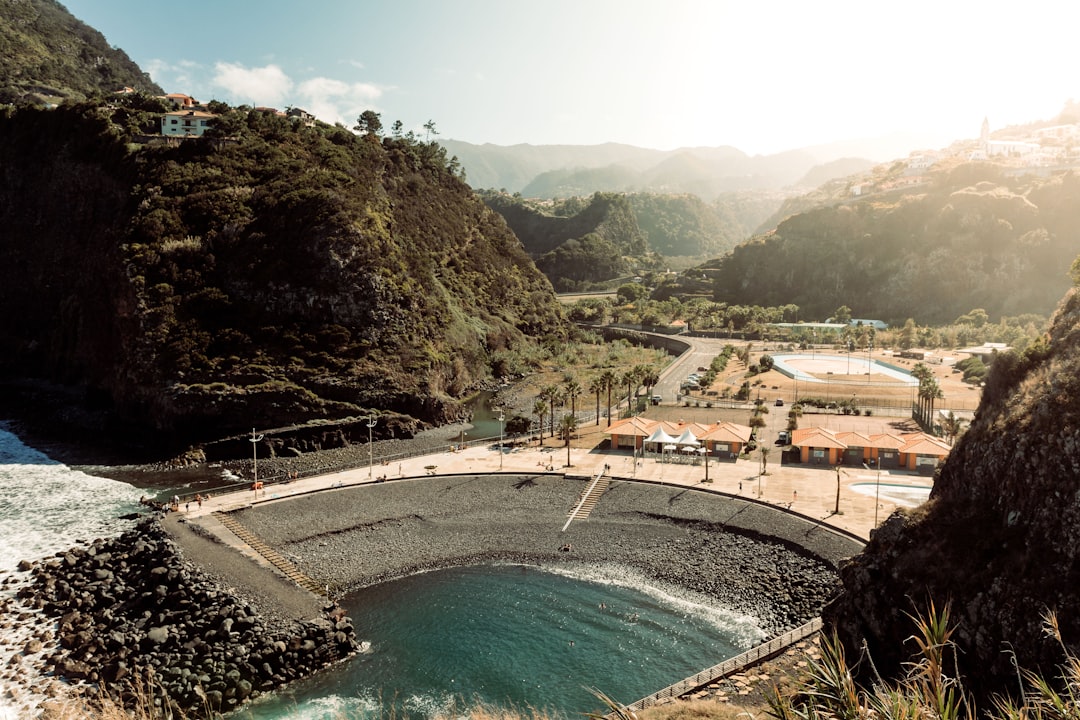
point(762, 76)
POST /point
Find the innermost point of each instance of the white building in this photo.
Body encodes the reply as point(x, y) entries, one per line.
point(185, 123)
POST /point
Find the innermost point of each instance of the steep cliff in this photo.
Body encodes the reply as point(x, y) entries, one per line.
point(1000, 536)
point(270, 274)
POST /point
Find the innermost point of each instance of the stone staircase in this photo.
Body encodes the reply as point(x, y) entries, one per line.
point(582, 510)
point(272, 556)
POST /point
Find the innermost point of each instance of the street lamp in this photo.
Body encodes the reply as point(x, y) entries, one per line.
point(502, 418)
point(255, 460)
point(370, 460)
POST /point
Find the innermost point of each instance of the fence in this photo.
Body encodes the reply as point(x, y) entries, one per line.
point(730, 666)
point(376, 459)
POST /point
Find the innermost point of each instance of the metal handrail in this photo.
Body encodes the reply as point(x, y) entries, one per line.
point(730, 666)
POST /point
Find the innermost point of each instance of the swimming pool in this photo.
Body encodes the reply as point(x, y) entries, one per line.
point(904, 495)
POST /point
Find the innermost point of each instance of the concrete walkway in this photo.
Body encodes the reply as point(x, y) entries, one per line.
point(809, 490)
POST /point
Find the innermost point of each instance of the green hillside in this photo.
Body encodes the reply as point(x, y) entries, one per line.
point(971, 237)
point(279, 274)
point(46, 56)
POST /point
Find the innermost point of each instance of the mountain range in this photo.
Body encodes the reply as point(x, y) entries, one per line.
point(560, 171)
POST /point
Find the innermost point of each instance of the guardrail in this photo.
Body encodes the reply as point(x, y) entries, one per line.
point(730, 666)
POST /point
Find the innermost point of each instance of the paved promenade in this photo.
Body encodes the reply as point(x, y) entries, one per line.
point(808, 490)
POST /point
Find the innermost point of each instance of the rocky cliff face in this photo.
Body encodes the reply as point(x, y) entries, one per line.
point(999, 538)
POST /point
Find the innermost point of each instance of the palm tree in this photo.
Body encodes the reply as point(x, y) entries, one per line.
point(609, 379)
point(632, 378)
point(650, 377)
point(572, 389)
point(567, 426)
point(764, 451)
point(548, 394)
point(539, 408)
point(933, 392)
point(596, 386)
point(923, 374)
point(952, 425)
point(557, 399)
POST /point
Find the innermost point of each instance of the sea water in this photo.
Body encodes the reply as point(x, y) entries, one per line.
point(512, 636)
point(48, 507)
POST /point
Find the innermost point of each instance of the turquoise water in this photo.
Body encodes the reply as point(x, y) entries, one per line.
point(513, 635)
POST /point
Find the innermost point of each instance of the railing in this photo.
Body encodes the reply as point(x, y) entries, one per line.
point(730, 666)
point(584, 497)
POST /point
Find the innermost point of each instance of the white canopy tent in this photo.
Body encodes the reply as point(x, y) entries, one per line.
point(687, 439)
point(660, 438)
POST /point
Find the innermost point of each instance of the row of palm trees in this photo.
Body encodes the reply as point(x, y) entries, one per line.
point(607, 381)
point(929, 392)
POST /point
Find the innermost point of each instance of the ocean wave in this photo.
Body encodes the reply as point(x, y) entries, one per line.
point(742, 629)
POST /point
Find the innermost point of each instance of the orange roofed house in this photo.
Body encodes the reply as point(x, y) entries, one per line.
point(723, 440)
point(911, 451)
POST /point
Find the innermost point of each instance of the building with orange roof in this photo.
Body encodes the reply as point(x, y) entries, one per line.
point(918, 452)
point(724, 440)
point(185, 123)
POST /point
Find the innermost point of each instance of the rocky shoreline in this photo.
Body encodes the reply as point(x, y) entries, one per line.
point(131, 612)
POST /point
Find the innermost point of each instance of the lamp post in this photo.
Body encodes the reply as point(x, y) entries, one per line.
point(706, 461)
point(869, 351)
point(255, 440)
point(502, 418)
point(370, 424)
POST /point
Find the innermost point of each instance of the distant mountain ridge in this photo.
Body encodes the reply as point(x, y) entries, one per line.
point(47, 55)
point(551, 171)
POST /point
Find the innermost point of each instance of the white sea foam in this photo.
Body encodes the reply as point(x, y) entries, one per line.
point(47, 507)
point(741, 629)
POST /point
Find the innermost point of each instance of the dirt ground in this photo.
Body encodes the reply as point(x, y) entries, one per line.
point(958, 395)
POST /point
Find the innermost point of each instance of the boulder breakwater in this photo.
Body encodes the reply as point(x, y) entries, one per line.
point(130, 615)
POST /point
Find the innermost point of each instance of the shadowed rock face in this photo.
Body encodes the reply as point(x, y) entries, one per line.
point(999, 538)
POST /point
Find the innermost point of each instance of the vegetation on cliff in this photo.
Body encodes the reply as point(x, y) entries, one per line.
point(582, 242)
point(998, 539)
point(269, 273)
point(971, 238)
point(46, 56)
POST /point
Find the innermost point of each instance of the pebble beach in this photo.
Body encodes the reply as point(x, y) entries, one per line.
point(775, 567)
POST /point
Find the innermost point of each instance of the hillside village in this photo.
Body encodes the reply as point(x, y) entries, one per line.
point(191, 119)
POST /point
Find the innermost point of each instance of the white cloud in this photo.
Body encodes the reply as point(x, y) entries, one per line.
point(267, 85)
point(334, 101)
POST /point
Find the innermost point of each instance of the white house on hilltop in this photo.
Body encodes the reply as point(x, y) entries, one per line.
point(185, 123)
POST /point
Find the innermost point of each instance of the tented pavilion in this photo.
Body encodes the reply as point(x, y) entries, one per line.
point(725, 439)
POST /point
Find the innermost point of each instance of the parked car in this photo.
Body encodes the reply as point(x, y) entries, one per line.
point(656, 399)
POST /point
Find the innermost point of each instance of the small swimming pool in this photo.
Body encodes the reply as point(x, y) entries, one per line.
point(905, 495)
